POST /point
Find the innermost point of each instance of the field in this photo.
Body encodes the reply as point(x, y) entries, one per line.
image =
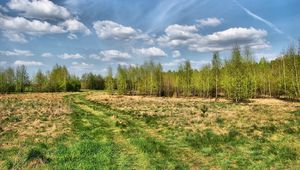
point(92, 130)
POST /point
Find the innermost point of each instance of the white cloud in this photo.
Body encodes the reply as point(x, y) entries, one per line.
point(16, 52)
point(199, 63)
point(126, 64)
point(222, 40)
point(114, 55)
point(81, 66)
point(176, 54)
point(150, 52)
point(109, 55)
point(174, 63)
point(14, 37)
point(42, 9)
point(188, 36)
point(47, 55)
point(28, 63)
point(179, 35)
point(209, 22)
point(267, 56)
point(181, 31)
point(23, 25)
point(109, 29)
point(73, 26)
point(70, 56)
point(15, 28)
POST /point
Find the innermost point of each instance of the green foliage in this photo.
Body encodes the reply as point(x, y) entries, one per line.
point(73, 84)
point(22, 78)
point(121, 80)
point(216, 69)
point(238, 90)
point(109, 81)
point(92, 81)
point(7, 80)
point(40, 82)
point(58, 80)
point(238, 78)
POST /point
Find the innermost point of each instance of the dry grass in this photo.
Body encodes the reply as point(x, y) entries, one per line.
point(186, 112)
point(33, 115)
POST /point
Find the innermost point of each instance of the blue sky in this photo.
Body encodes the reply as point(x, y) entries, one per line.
point(90, 35)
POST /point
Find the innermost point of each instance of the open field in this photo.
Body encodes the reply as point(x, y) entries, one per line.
point(89, 130)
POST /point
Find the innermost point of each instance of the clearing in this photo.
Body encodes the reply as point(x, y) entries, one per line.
point(92, 130)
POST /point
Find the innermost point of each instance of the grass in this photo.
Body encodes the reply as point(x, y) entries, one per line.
point(93, 130)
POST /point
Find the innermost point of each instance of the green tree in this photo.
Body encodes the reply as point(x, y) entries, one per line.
point(237, 77)
point(7, 80)
point(22, 79)
point(40, 82)
point(58, 78)
point(73, 84)
point(216, 69)
point(121, 80)
point(109, 81)
point(92, 81)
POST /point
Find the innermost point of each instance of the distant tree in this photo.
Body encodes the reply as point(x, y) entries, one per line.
point(109, 81)
point(73, 84)
point(40, 82)
point(92, 81)
point(58, 79)
point(121, 80)
point(237, 76)
point(216, 69)
point(7, 80)
point(22, 79)
point(188, 72)
point(206, 79)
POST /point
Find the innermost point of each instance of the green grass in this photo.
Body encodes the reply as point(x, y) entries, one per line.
point(102, 137)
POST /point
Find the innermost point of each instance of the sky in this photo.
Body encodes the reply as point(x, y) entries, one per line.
point(91, 35)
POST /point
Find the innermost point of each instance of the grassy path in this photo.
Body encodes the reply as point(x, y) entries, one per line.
point(110, 140)
point(161, 149)
point(170, 150)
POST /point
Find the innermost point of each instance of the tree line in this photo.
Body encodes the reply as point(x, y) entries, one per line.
point(239, 78)
point(57, 80)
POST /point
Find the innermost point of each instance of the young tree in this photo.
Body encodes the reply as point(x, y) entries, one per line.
point(73, 84)
point(187, 77)
point(250, 71)
point(237, 79)
point(216, 68)
point(7, 81)
point(91, 81)
point(40, 82)
point(121, 80)
point(109, 81)
point(22, 79)
point(58, 79)
point(206, 80)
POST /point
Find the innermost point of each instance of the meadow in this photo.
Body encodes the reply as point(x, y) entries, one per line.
point(97, 130)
